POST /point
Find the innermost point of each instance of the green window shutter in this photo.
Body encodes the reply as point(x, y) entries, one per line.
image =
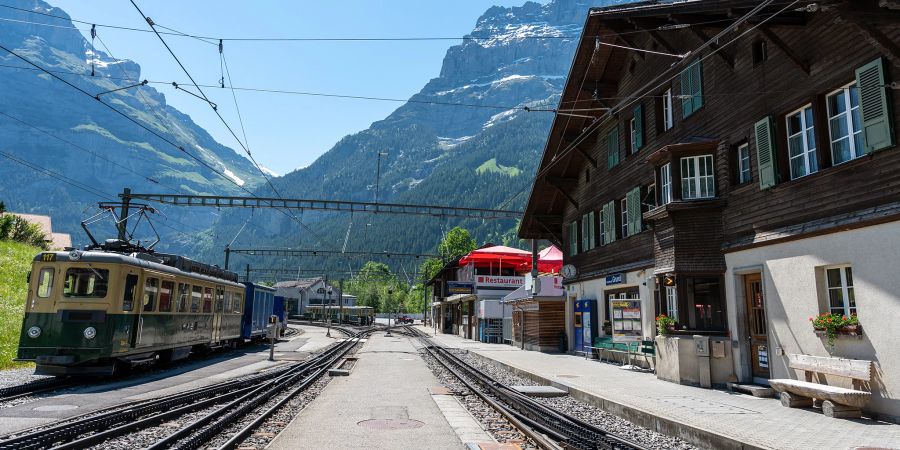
point(687, 106)
point(573, 238)
point(639, 126)
point(612, 148)
point(875, 111)
point(697, 85)
point(593, 229)
point(765, 153)
point(610, 222)
point(633, 199)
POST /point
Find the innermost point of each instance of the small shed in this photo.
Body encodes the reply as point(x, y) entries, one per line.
point(539, 321)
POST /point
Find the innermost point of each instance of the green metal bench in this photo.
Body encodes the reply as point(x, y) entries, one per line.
point(606, 344)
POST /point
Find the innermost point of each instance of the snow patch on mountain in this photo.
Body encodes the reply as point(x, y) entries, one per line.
point(233, 177)
point(268, 171)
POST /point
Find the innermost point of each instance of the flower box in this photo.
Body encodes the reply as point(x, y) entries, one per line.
point(850, 330)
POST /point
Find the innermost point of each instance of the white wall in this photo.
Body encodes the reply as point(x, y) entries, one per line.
point(593, 289)
point(793, 286)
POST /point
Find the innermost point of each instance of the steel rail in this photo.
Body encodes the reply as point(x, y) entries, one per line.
point(530, 431)
point(572, 432)
point(129, 414)
point(34, 387)
point(243, 405)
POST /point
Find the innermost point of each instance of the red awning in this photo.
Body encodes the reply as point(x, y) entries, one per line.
point(550, 260)
point(508, 256)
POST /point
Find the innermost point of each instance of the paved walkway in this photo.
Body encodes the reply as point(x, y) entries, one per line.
point(387, 392)
point(741, 419)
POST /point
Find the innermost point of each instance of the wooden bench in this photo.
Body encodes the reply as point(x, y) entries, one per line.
point(835, 401)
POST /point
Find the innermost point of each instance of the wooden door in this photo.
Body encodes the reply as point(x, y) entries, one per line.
point(757, 326)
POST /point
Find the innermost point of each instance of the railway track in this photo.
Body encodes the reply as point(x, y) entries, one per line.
point(228, 403)
point(34, 387)
point(549, 428)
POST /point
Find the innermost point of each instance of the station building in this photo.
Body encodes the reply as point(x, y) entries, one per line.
point(740, 187)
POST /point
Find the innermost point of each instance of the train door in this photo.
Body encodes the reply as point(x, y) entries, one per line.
point(128, 305)
point(217, 314)
point(144, 317)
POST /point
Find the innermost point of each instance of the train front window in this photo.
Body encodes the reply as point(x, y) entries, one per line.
point(45, 282)
point(151, 289)
point(86, 282)
point(196, 295)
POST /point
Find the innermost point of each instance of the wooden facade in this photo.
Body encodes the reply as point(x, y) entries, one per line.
point(738, 90)
point(544, 325)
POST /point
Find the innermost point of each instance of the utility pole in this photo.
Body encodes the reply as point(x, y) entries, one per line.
point(123, 219)
point(325, 308)
point(247, 277)
point(378, 174)
point(227, 256)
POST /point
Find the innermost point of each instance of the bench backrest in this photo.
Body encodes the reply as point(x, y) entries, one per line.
point(857, 369)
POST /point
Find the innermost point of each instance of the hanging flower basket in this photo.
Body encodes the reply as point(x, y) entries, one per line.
point(833, 325)
point(665, 325)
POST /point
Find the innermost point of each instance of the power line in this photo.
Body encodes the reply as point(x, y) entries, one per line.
point(212, 40)
point(219, 115)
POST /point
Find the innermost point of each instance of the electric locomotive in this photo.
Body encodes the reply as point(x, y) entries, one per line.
point(91, 312)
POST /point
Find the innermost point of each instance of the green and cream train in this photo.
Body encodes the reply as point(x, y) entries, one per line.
point(93, 312)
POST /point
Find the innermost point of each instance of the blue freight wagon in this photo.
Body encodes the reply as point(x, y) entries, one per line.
point(260, 304)
point(279, 310)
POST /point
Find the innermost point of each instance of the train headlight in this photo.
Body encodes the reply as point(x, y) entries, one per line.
point(90, 333)
point(34, 332)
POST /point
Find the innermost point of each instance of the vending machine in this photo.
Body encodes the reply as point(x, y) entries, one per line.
point(585, 324)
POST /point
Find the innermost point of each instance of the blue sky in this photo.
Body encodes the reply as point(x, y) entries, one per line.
point(285, 131)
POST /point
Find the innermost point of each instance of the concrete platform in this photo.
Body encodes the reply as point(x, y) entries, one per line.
point(185, 376)
point(385, 403)
point(708, 418)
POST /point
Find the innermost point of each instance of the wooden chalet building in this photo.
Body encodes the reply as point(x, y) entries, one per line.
point(742, 189)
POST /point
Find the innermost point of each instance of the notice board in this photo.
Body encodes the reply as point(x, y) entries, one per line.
point(626, 320)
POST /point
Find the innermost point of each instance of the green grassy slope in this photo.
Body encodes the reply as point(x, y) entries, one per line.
point(15, 261)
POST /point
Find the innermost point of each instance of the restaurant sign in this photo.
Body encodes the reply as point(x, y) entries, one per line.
point(491, 281)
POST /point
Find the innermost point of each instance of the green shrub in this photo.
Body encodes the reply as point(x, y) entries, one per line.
point(15, 228)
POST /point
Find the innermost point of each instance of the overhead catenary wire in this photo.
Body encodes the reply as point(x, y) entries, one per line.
point(222, 119)
point(213, 40)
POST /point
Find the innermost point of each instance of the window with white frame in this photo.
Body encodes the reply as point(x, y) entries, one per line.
point(668, 123)
point(839, 282)
point(697, 177)
point(801, 142)
point(845, 125)
point(623, 208)
point(672, 302)
point(743, 163)
point(665, 184)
